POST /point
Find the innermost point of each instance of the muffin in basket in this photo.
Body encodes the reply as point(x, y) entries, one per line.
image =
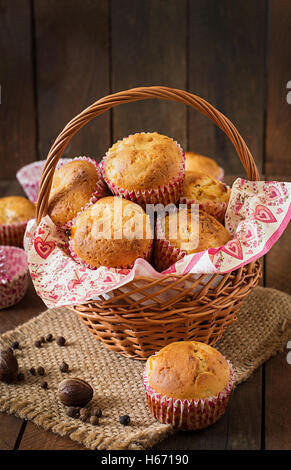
point(211, 195)
point(188, 384)
point(145, 168)
point(74, 185)
point(196, 162)
point(15, 212)
point(179, 234)
point(113, 232)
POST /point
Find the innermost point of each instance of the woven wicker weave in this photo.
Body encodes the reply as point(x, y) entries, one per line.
point(145, 315)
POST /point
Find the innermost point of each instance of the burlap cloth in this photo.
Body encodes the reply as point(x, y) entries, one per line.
point(263, 328)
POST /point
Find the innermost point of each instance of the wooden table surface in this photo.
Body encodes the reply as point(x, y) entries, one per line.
point(235, 55)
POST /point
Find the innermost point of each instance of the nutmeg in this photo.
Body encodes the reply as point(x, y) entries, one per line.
point(8, 367)
point(75, 392)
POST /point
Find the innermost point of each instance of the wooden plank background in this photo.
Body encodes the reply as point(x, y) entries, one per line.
point(58, 56)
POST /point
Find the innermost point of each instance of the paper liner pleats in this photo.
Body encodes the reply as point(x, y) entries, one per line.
point(12, 234)
point(189, 415)
point(14, 275)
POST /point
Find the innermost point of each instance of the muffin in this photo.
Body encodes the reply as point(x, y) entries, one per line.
point(188, 384)
point(174, 242)
point(15, 211)
point(74, 186)
point(145, 168)
point(196, 162)
point(211, 195)
point(113, 232)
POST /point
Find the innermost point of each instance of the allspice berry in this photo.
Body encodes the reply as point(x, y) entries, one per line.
point(73, 412)
point(61, 341)
point(8, 367)
point(40, 370)
point(75, 392)
point(96, 412)
point(64, 367)
point(84, 414)
point(94, 420)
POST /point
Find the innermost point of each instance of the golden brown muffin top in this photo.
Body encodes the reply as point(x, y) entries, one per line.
point(15, 209)
point(95, 229)
point(205, 232)
point(188, 370)
point(197, 162)
point(72, 187)
point(201, 187)
point(143, 161)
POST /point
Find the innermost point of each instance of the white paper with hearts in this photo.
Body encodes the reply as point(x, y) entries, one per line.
point(257, 215)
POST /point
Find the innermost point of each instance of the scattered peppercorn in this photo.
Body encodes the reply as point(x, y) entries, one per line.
point(44, 385)
point(61, 341)
point(41, 339)
point(20, 377)
point(37, 344)
point(40, 371)
point(64, 367)
point(125, 420)
point(73, 412)
point(94, 420)
point(68, 232)
point(84, 414)
point(96, 412)
point(49, 338)
point(15, 345)
point(32, 370)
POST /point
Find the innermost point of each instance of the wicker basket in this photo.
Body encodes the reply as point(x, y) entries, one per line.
point(145, 315)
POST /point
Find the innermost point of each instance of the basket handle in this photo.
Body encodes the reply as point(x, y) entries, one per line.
point(128, 96)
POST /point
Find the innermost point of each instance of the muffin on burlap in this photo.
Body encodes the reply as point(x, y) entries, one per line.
point(74, 186)
point(15, 212)
point(211, 195)
point(178, 235)
point(188, 384)
point(196, 162)
point(145, 168)
point(113, 232)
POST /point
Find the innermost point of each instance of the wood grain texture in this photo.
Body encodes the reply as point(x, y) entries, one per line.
point(149, 48)
point(10, 427)
point(17, 107)
point(226, 67)
point(278, 139)
point(72, 42)
point(278, 404)
point(35, 438)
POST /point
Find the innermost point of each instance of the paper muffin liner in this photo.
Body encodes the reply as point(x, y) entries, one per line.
point(169, 193)
point(188, 415)
point(146, 255)
point(29, 177)
point(214, 208)
point(14, 275)
point(221, 174)
point(100, 191)
point(165, 254)
point(12, 234)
